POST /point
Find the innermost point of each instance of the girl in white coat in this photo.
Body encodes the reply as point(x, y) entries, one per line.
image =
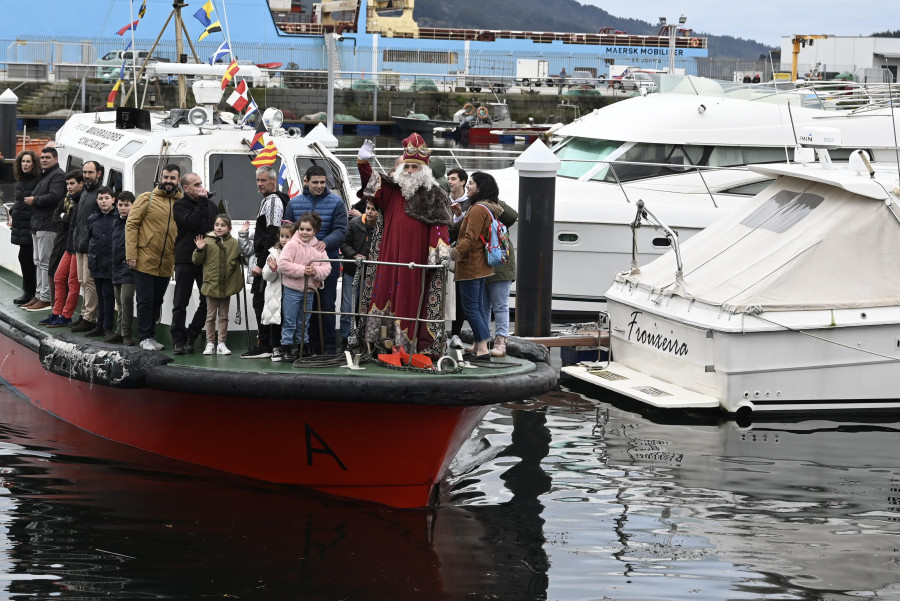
point(271, 313)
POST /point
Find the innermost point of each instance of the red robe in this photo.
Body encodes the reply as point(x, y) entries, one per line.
point(396, 291)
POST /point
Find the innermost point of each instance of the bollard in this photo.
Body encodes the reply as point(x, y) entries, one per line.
point(8, 107)
point(537, 168)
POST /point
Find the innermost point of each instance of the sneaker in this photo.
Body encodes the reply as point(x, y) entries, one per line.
point(210, 348)
point(48, 320)
point(151, 344)
point(290, 355)
point(499, 349)
point(189, 347)
point(257, 352)
point(97, 331)
point(83, 325)
point(277, 354)
point(222, 349)
point(179, 349)
point(59, 322)
point(29, 303)
point(455, 342)
point(38, 306)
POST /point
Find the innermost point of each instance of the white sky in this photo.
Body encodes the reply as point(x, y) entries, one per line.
point(766, 20)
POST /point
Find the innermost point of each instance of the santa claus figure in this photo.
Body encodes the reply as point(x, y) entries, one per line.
point(407, 303)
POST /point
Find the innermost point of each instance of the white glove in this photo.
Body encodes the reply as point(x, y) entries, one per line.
point(366, 151)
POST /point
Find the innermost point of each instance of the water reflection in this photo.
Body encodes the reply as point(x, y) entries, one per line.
point(571, 497)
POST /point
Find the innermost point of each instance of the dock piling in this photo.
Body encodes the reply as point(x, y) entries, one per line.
point(537, 168)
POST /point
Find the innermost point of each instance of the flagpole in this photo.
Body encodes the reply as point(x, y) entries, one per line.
point(227, 31)
point(134, 53)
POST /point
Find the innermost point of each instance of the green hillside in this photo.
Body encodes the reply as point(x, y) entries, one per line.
point(558, 15)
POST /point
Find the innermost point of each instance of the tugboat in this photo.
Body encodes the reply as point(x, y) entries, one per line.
point(372, 431)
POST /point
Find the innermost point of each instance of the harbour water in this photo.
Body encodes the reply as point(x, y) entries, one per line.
point(571, 496)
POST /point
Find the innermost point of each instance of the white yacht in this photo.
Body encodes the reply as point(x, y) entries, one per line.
point(789, 304)
point(684, 151)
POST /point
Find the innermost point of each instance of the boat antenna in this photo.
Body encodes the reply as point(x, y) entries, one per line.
point(793, 131)
point(227, 31)
point(134, 54)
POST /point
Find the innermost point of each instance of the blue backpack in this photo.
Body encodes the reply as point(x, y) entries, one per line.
point(497, 248)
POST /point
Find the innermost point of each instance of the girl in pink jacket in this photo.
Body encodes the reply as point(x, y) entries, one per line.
point(300, 275)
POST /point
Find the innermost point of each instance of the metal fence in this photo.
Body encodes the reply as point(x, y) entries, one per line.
point(39, 58)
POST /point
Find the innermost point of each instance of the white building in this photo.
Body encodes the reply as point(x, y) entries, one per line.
point(867, 58)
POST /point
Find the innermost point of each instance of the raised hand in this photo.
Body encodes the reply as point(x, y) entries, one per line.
point(200, 241)
point(366, 151)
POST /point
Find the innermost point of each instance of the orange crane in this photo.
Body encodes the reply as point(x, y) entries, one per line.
point(798, 41)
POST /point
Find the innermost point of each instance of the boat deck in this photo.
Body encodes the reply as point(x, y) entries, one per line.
point(233, 368)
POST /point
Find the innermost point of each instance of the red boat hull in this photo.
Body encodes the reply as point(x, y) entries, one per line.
point(483, 135)
point(390, 453)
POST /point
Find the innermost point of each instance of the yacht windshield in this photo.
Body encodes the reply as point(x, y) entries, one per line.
point(593, 159)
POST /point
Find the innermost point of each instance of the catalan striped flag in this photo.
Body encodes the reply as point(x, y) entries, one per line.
point(211, 29)
point(230, 72)
point(111, 99)
point(266, 156)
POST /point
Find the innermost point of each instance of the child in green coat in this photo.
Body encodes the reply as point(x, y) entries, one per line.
point(220, 256)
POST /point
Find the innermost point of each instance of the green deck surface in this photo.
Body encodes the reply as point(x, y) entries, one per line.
point(10, 288)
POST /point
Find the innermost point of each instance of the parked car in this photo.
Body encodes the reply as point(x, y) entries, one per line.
point(111, 63)
point(581, 79)
point(634, 81)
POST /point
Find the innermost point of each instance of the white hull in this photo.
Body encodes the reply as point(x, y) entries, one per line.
point(807, 367)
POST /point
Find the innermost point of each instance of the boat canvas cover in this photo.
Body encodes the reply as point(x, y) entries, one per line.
point(798, 245)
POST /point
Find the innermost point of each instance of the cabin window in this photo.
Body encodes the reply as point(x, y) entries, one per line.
point(580, 155)
point(233, 178)
point(130, 148)
point(74, 162)
point(332, 172)
point(148, 169)
point(115, 180)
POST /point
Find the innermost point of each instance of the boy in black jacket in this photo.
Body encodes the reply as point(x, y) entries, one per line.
point(357, 245)
point(100, 253)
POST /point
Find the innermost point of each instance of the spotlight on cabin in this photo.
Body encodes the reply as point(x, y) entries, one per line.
point(272, 118)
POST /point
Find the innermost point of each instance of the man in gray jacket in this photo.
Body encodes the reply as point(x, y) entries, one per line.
point(50, 189)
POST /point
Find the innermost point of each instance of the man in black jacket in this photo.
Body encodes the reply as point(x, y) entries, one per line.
point(195, 215)
point(92, 171)
point(50, 189)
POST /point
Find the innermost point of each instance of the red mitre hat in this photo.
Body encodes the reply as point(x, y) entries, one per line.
point(415, 150)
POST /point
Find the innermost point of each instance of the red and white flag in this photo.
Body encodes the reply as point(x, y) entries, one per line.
point(238, 99)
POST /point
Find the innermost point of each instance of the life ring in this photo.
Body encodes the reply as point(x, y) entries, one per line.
point(469, 108)
point(695, 42)
point(482, 112)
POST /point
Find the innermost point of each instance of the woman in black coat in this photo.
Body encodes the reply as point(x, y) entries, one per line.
point(27, 172)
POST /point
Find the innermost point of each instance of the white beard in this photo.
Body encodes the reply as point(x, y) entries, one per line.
point(410, 182)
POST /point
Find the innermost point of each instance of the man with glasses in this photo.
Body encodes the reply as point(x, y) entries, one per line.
point(49, 191)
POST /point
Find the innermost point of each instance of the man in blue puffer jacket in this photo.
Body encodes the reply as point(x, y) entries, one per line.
point(333, 212)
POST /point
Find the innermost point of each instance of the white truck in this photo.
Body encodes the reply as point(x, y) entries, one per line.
point(533, 72)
